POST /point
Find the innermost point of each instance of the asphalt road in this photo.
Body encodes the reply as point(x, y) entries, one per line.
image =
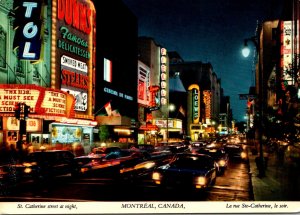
point(234, 185)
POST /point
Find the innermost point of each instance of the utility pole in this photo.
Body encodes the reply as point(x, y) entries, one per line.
point(21, 113)
point(259, 122)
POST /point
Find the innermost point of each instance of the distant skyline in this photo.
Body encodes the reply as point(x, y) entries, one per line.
point(209, 31)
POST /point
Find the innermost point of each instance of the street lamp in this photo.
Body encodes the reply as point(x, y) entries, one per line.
point(246, 51)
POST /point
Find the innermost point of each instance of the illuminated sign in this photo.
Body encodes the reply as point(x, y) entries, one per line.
point(163, 76)
point(143, 84)
point(73, 64)
point(116, 93)
point(54, 102)
point(80, 99)
point(286, 52)
point(107, 70)
point(207, 102)
point(73, 52)
point(28, 24)
point(41, 100)
point(77, 121)
point(76, 14)
point(195, 102)
point(12, 124)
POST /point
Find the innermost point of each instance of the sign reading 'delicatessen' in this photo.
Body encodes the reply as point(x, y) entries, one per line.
point(73, 55)
point(41, 100)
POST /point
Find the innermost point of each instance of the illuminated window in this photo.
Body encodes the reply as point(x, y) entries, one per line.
point(107, 71)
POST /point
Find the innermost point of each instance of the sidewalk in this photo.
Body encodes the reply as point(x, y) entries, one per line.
point(282, 177)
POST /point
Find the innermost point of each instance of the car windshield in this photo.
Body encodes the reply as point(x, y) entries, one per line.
point(40, 156)
point(87, 160)
point(192, 162)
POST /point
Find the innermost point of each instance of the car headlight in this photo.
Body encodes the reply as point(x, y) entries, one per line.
point(222, 163)
point(84, 169)
point(243, 155)
point(27, 170)
point(146, 165)
point(201, 180)
point(156, 176)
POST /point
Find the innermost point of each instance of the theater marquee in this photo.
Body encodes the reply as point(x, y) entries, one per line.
point(42, 101)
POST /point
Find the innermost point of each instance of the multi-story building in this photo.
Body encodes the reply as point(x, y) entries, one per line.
point(116, 78)
point(160, 107)
point(203, 100)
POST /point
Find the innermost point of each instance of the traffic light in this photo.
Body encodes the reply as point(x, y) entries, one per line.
point(26, 111)
point(18, 110)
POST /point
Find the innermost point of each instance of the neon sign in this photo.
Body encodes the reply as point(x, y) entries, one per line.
point(28, 33)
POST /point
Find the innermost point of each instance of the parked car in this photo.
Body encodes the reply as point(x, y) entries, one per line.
point(46, 164)
point(236, 152)
point(219, 155)
point(196, 171)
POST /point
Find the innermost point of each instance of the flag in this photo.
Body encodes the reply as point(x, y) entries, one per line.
point(115, 113)
point(181, 110)
point(108, 108)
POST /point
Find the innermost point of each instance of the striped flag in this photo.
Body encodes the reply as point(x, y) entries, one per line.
point(108, 108)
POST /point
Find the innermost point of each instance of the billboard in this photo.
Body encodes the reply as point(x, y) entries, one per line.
point(143, 84)
point(73, 52)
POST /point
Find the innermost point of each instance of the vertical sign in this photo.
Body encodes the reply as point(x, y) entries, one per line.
point(195, 102)
point(28, 25)
point(163, 76)
point(73, 62)
point(286, 52)
point(207, 102)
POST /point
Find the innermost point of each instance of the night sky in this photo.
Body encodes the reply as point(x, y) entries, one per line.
point(209, 31)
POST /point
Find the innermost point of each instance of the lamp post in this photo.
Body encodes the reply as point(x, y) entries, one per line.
point(246, 51)
point(171, 108)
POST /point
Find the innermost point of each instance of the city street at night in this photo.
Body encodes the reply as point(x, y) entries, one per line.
point(170, 106)
point(234, 185)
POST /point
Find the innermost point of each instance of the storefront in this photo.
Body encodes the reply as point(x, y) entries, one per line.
point(51, 118)
point(71, 134)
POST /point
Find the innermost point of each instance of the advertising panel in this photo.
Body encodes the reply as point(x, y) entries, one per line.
point(12, 124)
point(42, 101)
point(143, 84)
point(73, 29)
point(286, 52)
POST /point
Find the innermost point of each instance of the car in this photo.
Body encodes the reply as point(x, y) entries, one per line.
point(8, 178)
point(106, 150)
point(186, 170)
point(145, 147)
point(198, 144)
point(219, 155)
point(42, 165)
point(236, 152)
point(133, 170)
point(102, 164)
